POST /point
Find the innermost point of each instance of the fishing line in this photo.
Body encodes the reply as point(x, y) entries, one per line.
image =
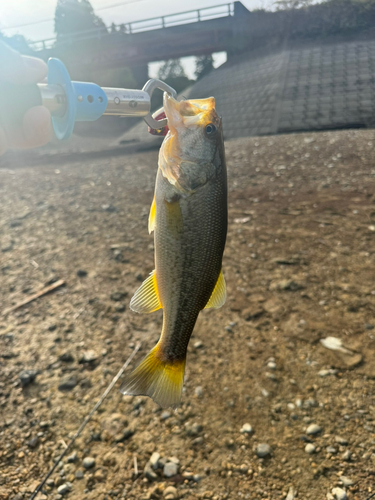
point(87, 419)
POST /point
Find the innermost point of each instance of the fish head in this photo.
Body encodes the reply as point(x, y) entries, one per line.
point(191, 145)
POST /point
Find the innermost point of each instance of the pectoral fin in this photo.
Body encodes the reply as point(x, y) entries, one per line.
point(146, 298)
point(151, 217)
point(219, 294)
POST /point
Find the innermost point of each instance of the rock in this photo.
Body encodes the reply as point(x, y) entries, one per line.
point(347, 455)
point(325, 373)
point(193, 430)
point(170, 493)
point(331, 450)
point(253, 312)
point(313, 429)
point(99, 476)
point(271, 365)
point(198, 344)
point(109, 208)
point(165, 415)
point(117, 296)
point(81, 273)
point(88, 462)
point(27, 377)
point(120, 308)
point(72, 458)
point(79, 474)
point(246, 429)
point(64, 489)
point(33, 443)
point(341, 440)
point(170, 469)
point(154, 460)
point(339, 494)
point(149, 472)
point(346, 481)
point(67, 383)
point(286, 285)
point(66, 357)
point(123, 436)
point(263, 450)
point(310, 448)
point(199, 391)
point(88, 357)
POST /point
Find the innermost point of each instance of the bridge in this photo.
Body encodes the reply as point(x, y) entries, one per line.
point(191, 33)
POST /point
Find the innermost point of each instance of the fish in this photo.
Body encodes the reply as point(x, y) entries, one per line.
point(189, 217)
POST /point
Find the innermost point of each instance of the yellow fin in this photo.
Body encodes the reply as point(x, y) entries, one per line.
point(160, 380)
point(146, 298)
point(219, 294)
point(151, 217)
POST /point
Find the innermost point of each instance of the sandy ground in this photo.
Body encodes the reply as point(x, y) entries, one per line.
point(299, 265)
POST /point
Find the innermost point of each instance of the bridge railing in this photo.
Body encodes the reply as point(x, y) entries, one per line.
point(154, 23)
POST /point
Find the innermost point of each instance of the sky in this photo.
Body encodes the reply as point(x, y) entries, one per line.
point(14, 14)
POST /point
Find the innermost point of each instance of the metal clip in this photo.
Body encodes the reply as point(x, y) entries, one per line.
point(150, 86)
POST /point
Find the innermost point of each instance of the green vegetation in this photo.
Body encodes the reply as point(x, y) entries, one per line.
point(74, 16)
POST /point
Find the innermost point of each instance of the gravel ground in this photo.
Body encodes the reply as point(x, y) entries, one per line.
point(269, 410)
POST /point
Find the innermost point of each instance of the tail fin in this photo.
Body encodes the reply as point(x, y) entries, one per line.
point(160, 380)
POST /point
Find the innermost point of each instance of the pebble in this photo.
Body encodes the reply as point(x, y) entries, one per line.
point(72, 458)
point(339, 494)
point(67, 383)
point(346, 481)
point(271, 365)
point(199, 391)
point(341, 440)
point(149, 472)
point(81, 273)
point(347, 455)
point(33, 443)
point(165, 415)
point(331, 450)
point(310, 448)
point(313, 429)
point(263, 450)
point(198, 344)
point(194, 429)
point(154, 460)
point(79, 474)
point(170, 469)
point(246, 429)
point(27, 377)
point(64, 489)
point(170, 493)
point(88, 357)
point(117, 296)
point(325, 373)
point(66, 357)
point(88, 462)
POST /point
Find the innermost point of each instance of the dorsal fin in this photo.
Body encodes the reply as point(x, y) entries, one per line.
point(151, 217)
point(146, 298)
point(219, 294)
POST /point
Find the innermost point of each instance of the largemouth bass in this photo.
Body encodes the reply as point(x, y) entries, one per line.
point(189, 220)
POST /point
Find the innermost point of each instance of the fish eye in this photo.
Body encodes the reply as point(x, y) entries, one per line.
point(210, 129)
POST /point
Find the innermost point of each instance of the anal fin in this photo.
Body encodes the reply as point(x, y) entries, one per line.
point(146, 298)
point(219, 293)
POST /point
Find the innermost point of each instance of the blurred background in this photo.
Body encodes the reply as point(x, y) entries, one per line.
point(274, 67)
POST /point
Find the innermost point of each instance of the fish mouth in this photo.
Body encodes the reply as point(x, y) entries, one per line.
point(188, 114)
